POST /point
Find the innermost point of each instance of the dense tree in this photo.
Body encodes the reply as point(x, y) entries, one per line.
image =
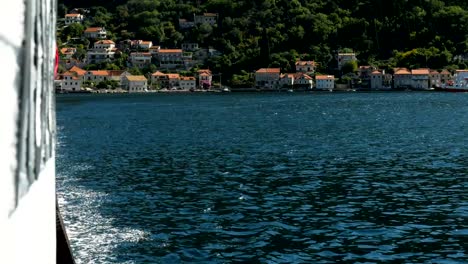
point(261, 33)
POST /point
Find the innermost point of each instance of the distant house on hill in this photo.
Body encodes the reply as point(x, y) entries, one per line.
point(102, 51)
point(67, 53)
point(95, 33)
point(73, 18)
point(208, 18)
point(170, 58)
point(185, 24)
point(343, 58)
point(140, 59)
point(306, 66)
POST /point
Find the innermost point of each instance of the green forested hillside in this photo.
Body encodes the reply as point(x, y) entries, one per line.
point(260, 33)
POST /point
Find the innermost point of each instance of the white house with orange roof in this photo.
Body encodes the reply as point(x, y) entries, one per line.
point(324, 82)
point(303, 81)
point(174, 80)
point(67, 52)
point(140, 59)
point(306, 66)
point(145, 45)
point(420, 79)
point(102, 51)
point(72, 80)
point(402, 78)
point(97, 76)
point(160, 80)
point(95, 33)
point(188, 83)
point(118, 75)
point(154, 50)
point(205, 78)
point(377, 80)
point(136, 83)
point(104, 44)
point(267, 78)
point(170, 58)
point(208, 18)
point(73, 18)
point(286, 80)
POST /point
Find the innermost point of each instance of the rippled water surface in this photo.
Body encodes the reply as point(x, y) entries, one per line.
point(265, 178)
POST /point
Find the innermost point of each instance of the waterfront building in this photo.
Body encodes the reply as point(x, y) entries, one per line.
point(174, 80)
point(306, 66)
point(188, 83)
point(343, 58)
point(303, 81)
point(205, 78)
point(95, 33)
point(324, 82)
point(71, 81)
point(402, 78)
point(377, 80)
point(286, 80)
point(73, 18)
point(420, 78)
point(445, 76)
point(170, 58)
point(159, 79)
point(434, 78)
point(267, 78)
point(96, 76)
point(140, 59)
point(208, 18)
point(461, 77)
point(364, 75)
point(118, 75)
point(136, 83)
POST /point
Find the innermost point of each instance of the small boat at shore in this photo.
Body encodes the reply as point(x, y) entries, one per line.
point(459, 87)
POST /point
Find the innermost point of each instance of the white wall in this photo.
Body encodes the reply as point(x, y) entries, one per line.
point(27, 230)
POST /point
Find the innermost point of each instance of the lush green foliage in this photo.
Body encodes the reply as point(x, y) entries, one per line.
point(261, 33)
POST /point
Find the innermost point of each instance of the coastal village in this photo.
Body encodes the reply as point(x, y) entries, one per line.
point(178, 69)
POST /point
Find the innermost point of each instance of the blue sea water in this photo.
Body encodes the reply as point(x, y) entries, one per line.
point(264, 177)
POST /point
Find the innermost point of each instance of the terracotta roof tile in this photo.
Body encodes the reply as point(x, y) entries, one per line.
point(269, 70)
point(420, 72)
point(93, 29)
point(136, 78)
point(325, 77)
point(170, 51)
